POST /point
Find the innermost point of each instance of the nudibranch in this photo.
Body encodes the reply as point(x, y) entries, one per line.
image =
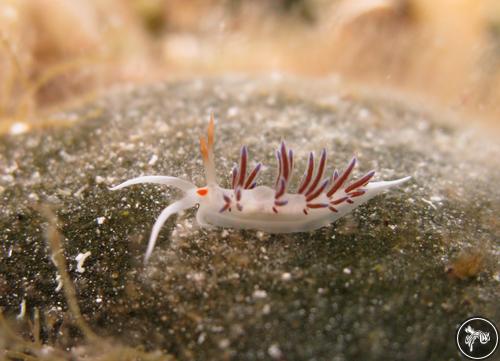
point(318, 201)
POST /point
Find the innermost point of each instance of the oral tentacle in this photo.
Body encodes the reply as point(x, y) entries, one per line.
point(176, 207)
point(157, 179)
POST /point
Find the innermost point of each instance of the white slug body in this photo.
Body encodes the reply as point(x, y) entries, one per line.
point(257, 211)
point(317, 202)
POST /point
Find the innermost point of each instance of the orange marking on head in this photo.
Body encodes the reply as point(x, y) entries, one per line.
point(202, 191)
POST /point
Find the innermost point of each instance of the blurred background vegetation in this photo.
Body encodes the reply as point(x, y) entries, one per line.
point(57, 52)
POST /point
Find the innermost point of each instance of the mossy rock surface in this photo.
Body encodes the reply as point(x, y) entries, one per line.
point(390, 281)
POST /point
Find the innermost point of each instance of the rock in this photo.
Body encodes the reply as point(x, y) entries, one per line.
point(372, 286)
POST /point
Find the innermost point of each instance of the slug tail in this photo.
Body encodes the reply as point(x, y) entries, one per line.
point(364, 193)
point(380, 186)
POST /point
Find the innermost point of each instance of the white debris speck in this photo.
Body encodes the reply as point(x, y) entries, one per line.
point(18, 128)
point(224, 343)
point(201, 338)
point(261, 235)
point(98, 300)
point(127, 146)
point(286, 276)
point(9, 253)
point(436, 199)
point(274, 351)
point(422, 125)
point(266, 310)
point(22, 310)
point(35, 176)
point(393, 226)
point(364, 113)
point(196, 276)
point(65, 192)
point(80, 190)
point(347, 271)
point(225, 233)
point(259, 294)
point(67, 157)
point(232, 112)
point(8, 178)
point(101, 220)
point(59, 283)
point(330, 100)
point(99, 179)
point(80, 259)
point(429, 203)
point(153, 159)
point(12, 168)
point(9, 12)
point(277, 76)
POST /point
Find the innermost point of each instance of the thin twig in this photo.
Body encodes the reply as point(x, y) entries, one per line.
point(8, 84)
point(48, 74)
point(54, 239)
point(16, 355)
point(10, 333)
point(36, 327)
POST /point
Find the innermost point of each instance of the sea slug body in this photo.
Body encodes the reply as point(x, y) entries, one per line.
point(318, 201)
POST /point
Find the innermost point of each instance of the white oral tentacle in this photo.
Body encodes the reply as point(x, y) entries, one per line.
point(158, 179)
point(176, 207)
